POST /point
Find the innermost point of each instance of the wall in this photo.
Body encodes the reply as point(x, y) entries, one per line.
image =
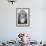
point(37, 29)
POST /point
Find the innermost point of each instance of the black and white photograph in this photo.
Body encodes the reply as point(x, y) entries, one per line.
point(22, 16)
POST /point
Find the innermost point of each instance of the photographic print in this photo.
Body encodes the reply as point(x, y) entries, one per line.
point(22, 17)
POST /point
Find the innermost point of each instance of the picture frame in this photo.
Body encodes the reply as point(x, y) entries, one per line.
point(22, 17)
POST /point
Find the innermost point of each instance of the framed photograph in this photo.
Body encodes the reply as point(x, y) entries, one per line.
point(22, 17)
